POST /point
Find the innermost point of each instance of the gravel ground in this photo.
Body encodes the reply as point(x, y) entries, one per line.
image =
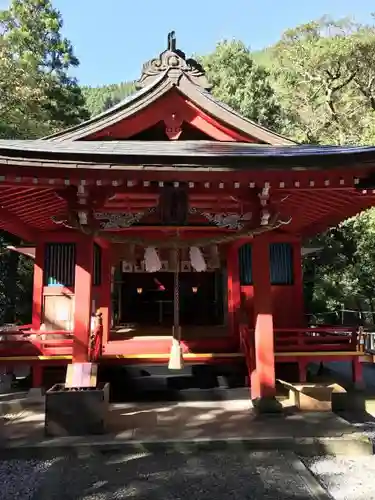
point(345, 478)
point(177, 476)
point(348, 478)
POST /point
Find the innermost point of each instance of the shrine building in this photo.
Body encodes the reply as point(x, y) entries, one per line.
point(169, 229)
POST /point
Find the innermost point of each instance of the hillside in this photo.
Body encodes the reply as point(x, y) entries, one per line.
point(99, 99)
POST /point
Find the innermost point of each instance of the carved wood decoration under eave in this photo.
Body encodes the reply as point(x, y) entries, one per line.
point(173, 126)
point(174, 63)
point(87, 210)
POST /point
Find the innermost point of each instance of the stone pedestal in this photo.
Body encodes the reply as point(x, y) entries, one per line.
point(267, 405)
point(76, 411)
point(36, 395)
point(5, 383)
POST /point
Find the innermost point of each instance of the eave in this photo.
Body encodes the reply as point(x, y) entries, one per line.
point(316, 186)
point(180, 156)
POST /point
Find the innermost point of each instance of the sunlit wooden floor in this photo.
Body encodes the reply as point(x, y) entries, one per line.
point(124, 332)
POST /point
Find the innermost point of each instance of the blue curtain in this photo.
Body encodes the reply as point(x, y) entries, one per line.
point(281, 264)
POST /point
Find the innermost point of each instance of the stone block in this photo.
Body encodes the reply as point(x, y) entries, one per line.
point(5, 383)
point(317, 397)
point(76, 411)
point(36, 395)
point(314, 399)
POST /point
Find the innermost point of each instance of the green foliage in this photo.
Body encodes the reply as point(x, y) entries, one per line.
point(242, 84)
point(22, 97)
point(341, 275)
point(37, 97)
point(325, 78)
point(99, 99)
point(44, 97)
point(326, 81)
point(16, 272)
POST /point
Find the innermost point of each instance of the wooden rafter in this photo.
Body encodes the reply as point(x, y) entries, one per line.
point(14, 225)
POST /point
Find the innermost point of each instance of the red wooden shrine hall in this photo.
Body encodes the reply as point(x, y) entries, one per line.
point(171, 178)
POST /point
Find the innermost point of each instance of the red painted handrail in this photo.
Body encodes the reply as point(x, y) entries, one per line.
point(18, 342)
point(315, 339)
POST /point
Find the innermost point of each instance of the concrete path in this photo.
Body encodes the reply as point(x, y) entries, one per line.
point(178, 425)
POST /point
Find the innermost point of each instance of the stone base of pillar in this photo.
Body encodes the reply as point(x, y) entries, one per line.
point(36, 395)
point(359, 385)
point(266, 405)
point(5, 383)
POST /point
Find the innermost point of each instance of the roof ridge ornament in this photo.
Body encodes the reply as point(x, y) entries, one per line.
point(173, 63)
point(172, 41)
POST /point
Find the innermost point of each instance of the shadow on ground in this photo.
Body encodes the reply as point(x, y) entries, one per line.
point(153, 475)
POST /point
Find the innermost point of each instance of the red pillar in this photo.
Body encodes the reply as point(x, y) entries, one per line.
point(38, 286)
point(233, 286)
point(82, 300)
point(105, 294)
point(357, 375)
point(37, 376)
point(263, 388)
point(299, 306)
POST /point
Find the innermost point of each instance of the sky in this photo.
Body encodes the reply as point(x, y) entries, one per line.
point(113, 38)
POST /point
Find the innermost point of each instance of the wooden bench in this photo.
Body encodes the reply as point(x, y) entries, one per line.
point(322, 397)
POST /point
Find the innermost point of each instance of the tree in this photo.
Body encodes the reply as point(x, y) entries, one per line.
point(341, 275)
point(37, 97)
point(326, 79)
point(16, 276)
point(21, 111)
point(99, 99)
point(31, 33)
point(242, 84)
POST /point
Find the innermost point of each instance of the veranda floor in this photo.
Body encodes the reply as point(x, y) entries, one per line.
point(125, 332)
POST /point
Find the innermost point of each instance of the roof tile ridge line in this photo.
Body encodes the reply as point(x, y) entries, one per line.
point(306, 150)
point(186, 85)
point(127, 101)
point(248, 120)
point(256, 124)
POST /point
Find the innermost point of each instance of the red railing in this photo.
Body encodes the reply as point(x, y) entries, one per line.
point(22, 341)
point(306, 340)
point(316, 339)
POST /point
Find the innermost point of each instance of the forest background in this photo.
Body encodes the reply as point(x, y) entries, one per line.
point(316, 85)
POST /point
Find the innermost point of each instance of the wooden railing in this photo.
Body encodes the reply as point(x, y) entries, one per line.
point(22, 341)
point(306, 340)
point(317, 339)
